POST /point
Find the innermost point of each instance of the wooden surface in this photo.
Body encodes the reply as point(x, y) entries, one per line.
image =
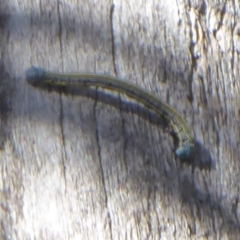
point(96, 166)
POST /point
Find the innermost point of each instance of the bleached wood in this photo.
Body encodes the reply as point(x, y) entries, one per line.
point(93, 166)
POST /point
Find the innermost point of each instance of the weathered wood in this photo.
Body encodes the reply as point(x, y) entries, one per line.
point(95, 166)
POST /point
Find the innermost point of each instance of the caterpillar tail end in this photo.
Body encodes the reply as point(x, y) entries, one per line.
point(34, 75)
point(185, 151)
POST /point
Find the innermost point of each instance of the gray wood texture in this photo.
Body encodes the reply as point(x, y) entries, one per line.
point(97, 165)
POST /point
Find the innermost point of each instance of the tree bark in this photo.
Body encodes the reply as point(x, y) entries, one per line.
point(97, 165)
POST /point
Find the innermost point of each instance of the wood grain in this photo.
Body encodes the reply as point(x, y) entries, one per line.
point(96, 166)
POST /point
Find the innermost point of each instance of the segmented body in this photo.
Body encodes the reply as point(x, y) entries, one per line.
point(38, 76)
